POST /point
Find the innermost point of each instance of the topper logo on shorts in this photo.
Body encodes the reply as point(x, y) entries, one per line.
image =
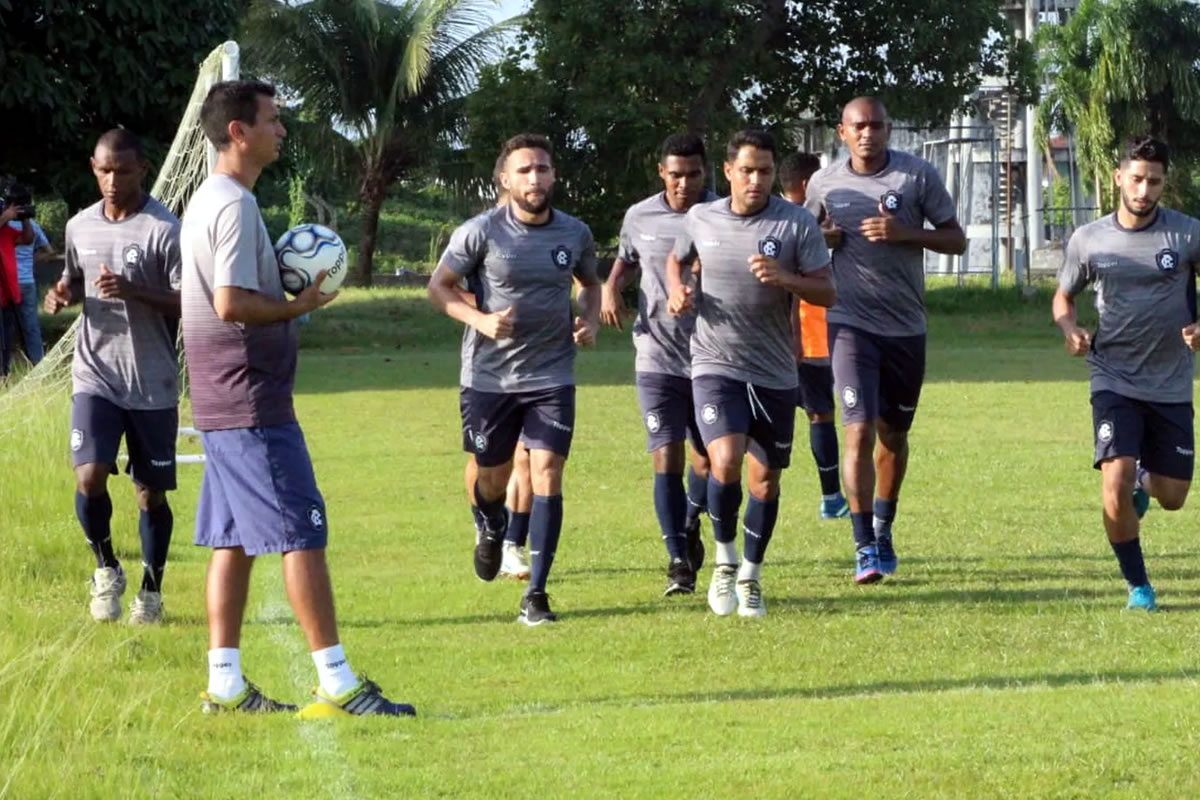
point(131, 256)
point(708, 414)
point(480, 440)
point(890, 201)
point(561, 257)
point(849, 397)
point(770, 247)
point(1167, 259)
point(316, 518)
point(652, 422)
point(76, 439)
point(1104, 432)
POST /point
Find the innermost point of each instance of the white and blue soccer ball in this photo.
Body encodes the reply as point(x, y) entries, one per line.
point(307, 249)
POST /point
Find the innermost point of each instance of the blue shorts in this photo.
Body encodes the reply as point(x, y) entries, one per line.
point(667, 410)
point(877, 377)
point(493, 422)
point(97, 426)
point(1160, 434)
point(259, 492)
point(816, 387)
point(726, 406)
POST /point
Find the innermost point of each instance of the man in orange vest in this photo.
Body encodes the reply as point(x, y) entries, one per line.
point(811, 345)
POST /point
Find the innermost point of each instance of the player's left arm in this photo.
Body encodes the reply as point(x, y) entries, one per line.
point(807, 272)
point(164, 300)
point(587, 324)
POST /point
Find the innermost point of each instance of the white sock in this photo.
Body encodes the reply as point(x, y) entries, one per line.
point(727, 553)
point(829, 498)
point(334, 671)
point(225, 680)
point(749, 571)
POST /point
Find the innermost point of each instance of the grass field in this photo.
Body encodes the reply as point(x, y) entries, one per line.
point(998, 663)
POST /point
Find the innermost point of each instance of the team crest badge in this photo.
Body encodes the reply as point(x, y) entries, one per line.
point(76, 439)
point(770, 247)
point(480, 440)
point(708, 414)
point(1104, 432)
point(849, 397)
point(315, 518)
point(561, 257)
point(890, 201)
point(1167, 259)
point(652, 422)
point(131, 256)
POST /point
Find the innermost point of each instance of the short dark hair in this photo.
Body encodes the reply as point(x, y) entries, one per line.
point(796, 168)
point(1146, 148)
point(228, 101)
point(684, 145)
point(523, 141)
point(749, 138)
point(121, 140)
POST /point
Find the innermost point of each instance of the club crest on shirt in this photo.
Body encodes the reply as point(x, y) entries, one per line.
point(131, 256)
point(1166, 259)
point(770, 247)
point(315, 518)
point(561, 256)
point(1104, 432)
point(890, 201)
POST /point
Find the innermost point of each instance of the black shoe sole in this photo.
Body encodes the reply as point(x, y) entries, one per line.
point(527, 622)
point(486, 569)
point(679, 588)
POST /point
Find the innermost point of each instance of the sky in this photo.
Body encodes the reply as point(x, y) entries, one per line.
point(509, 8)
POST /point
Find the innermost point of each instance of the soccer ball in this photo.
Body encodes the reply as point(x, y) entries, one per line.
point(304, 251)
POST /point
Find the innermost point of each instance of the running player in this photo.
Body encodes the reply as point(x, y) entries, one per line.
point(518, 353)
point(122, 263)
point(1142, 261)
point(875, 205)
point(259, 493)
point(754, 252)
point(663, 368)
point(811, 344)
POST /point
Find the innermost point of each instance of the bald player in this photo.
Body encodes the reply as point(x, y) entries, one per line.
point(875, 205)
point(1141, 260)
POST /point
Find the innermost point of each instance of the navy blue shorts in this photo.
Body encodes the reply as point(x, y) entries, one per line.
point(877, 377)
point(1160, 434)
point(97, 426)
point(259, 492)
point(493, 422)
point(667, 410)
point(816, 387)
point(726, 406)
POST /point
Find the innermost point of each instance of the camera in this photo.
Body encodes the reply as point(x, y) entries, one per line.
point(14, 194)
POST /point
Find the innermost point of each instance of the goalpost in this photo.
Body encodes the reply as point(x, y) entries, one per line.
point(187, 164)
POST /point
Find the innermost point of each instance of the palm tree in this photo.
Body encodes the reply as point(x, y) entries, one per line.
point(1120, 68)
point(392, 76)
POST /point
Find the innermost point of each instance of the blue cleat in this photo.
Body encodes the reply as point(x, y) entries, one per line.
point(866, 565)
point(1141, 498)
point(837, 508)
point(887, 554)
point(1141, 598)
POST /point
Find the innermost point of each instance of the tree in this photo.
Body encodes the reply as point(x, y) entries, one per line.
point(75, 68)
point(1122, 68)
point(392, 76)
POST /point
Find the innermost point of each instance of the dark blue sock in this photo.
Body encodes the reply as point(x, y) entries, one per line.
point(545, 525)
point(155, 527)
point(724, 500)
point(492, 512)
point(697, 497)
point(518, 527)
point(822, 437)
point(884, 514)
point(864, 534)
point(1133, 566)
point(95, 515)
point(670, 504)
point(759, 524)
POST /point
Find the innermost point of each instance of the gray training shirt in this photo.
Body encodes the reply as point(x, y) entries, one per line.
point(125, 350)
point(647, 238)
point(529, 267)
point(880, 286)
point(743, 326)
point(1146, 294)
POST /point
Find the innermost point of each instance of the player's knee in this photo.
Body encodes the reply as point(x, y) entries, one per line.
point(91, 479)
point(763, 487)
point(1173, 496)
point(858, 436)
point(149, 499)
point(668, 459)
point(818, 419)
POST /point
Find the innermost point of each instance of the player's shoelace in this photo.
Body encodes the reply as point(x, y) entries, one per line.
point(753, 594)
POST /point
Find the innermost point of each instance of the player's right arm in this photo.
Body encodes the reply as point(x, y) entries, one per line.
point(69, 288)
point(463, 256)
point(612, 305)
point(1074, 275)
point(679, 294)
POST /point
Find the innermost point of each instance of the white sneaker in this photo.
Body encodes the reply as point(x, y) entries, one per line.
point(721, 598)
point(108, 584)
point(750, 599)
point(146, 608)
point(514, 564)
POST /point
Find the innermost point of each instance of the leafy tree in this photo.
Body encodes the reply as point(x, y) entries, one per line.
point(393, 77)
point(75, 68)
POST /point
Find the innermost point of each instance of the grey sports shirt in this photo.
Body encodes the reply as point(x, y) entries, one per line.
point(529, 267)
point(744, 327)
point(660, 339)
point(1145, 293)
point(125, 349)
point(881, 286)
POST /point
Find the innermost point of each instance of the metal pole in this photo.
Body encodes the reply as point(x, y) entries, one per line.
point(1008, 204)
point(1034, 235)
point(995, 151)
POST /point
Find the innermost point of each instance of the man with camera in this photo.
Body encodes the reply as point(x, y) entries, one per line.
point(14, 205)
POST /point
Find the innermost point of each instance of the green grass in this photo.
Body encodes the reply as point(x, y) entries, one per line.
point(998, 663)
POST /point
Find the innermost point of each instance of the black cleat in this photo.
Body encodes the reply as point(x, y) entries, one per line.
point(535, 609)
point(695, 547)
point(489, 550)
point(681, 579)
